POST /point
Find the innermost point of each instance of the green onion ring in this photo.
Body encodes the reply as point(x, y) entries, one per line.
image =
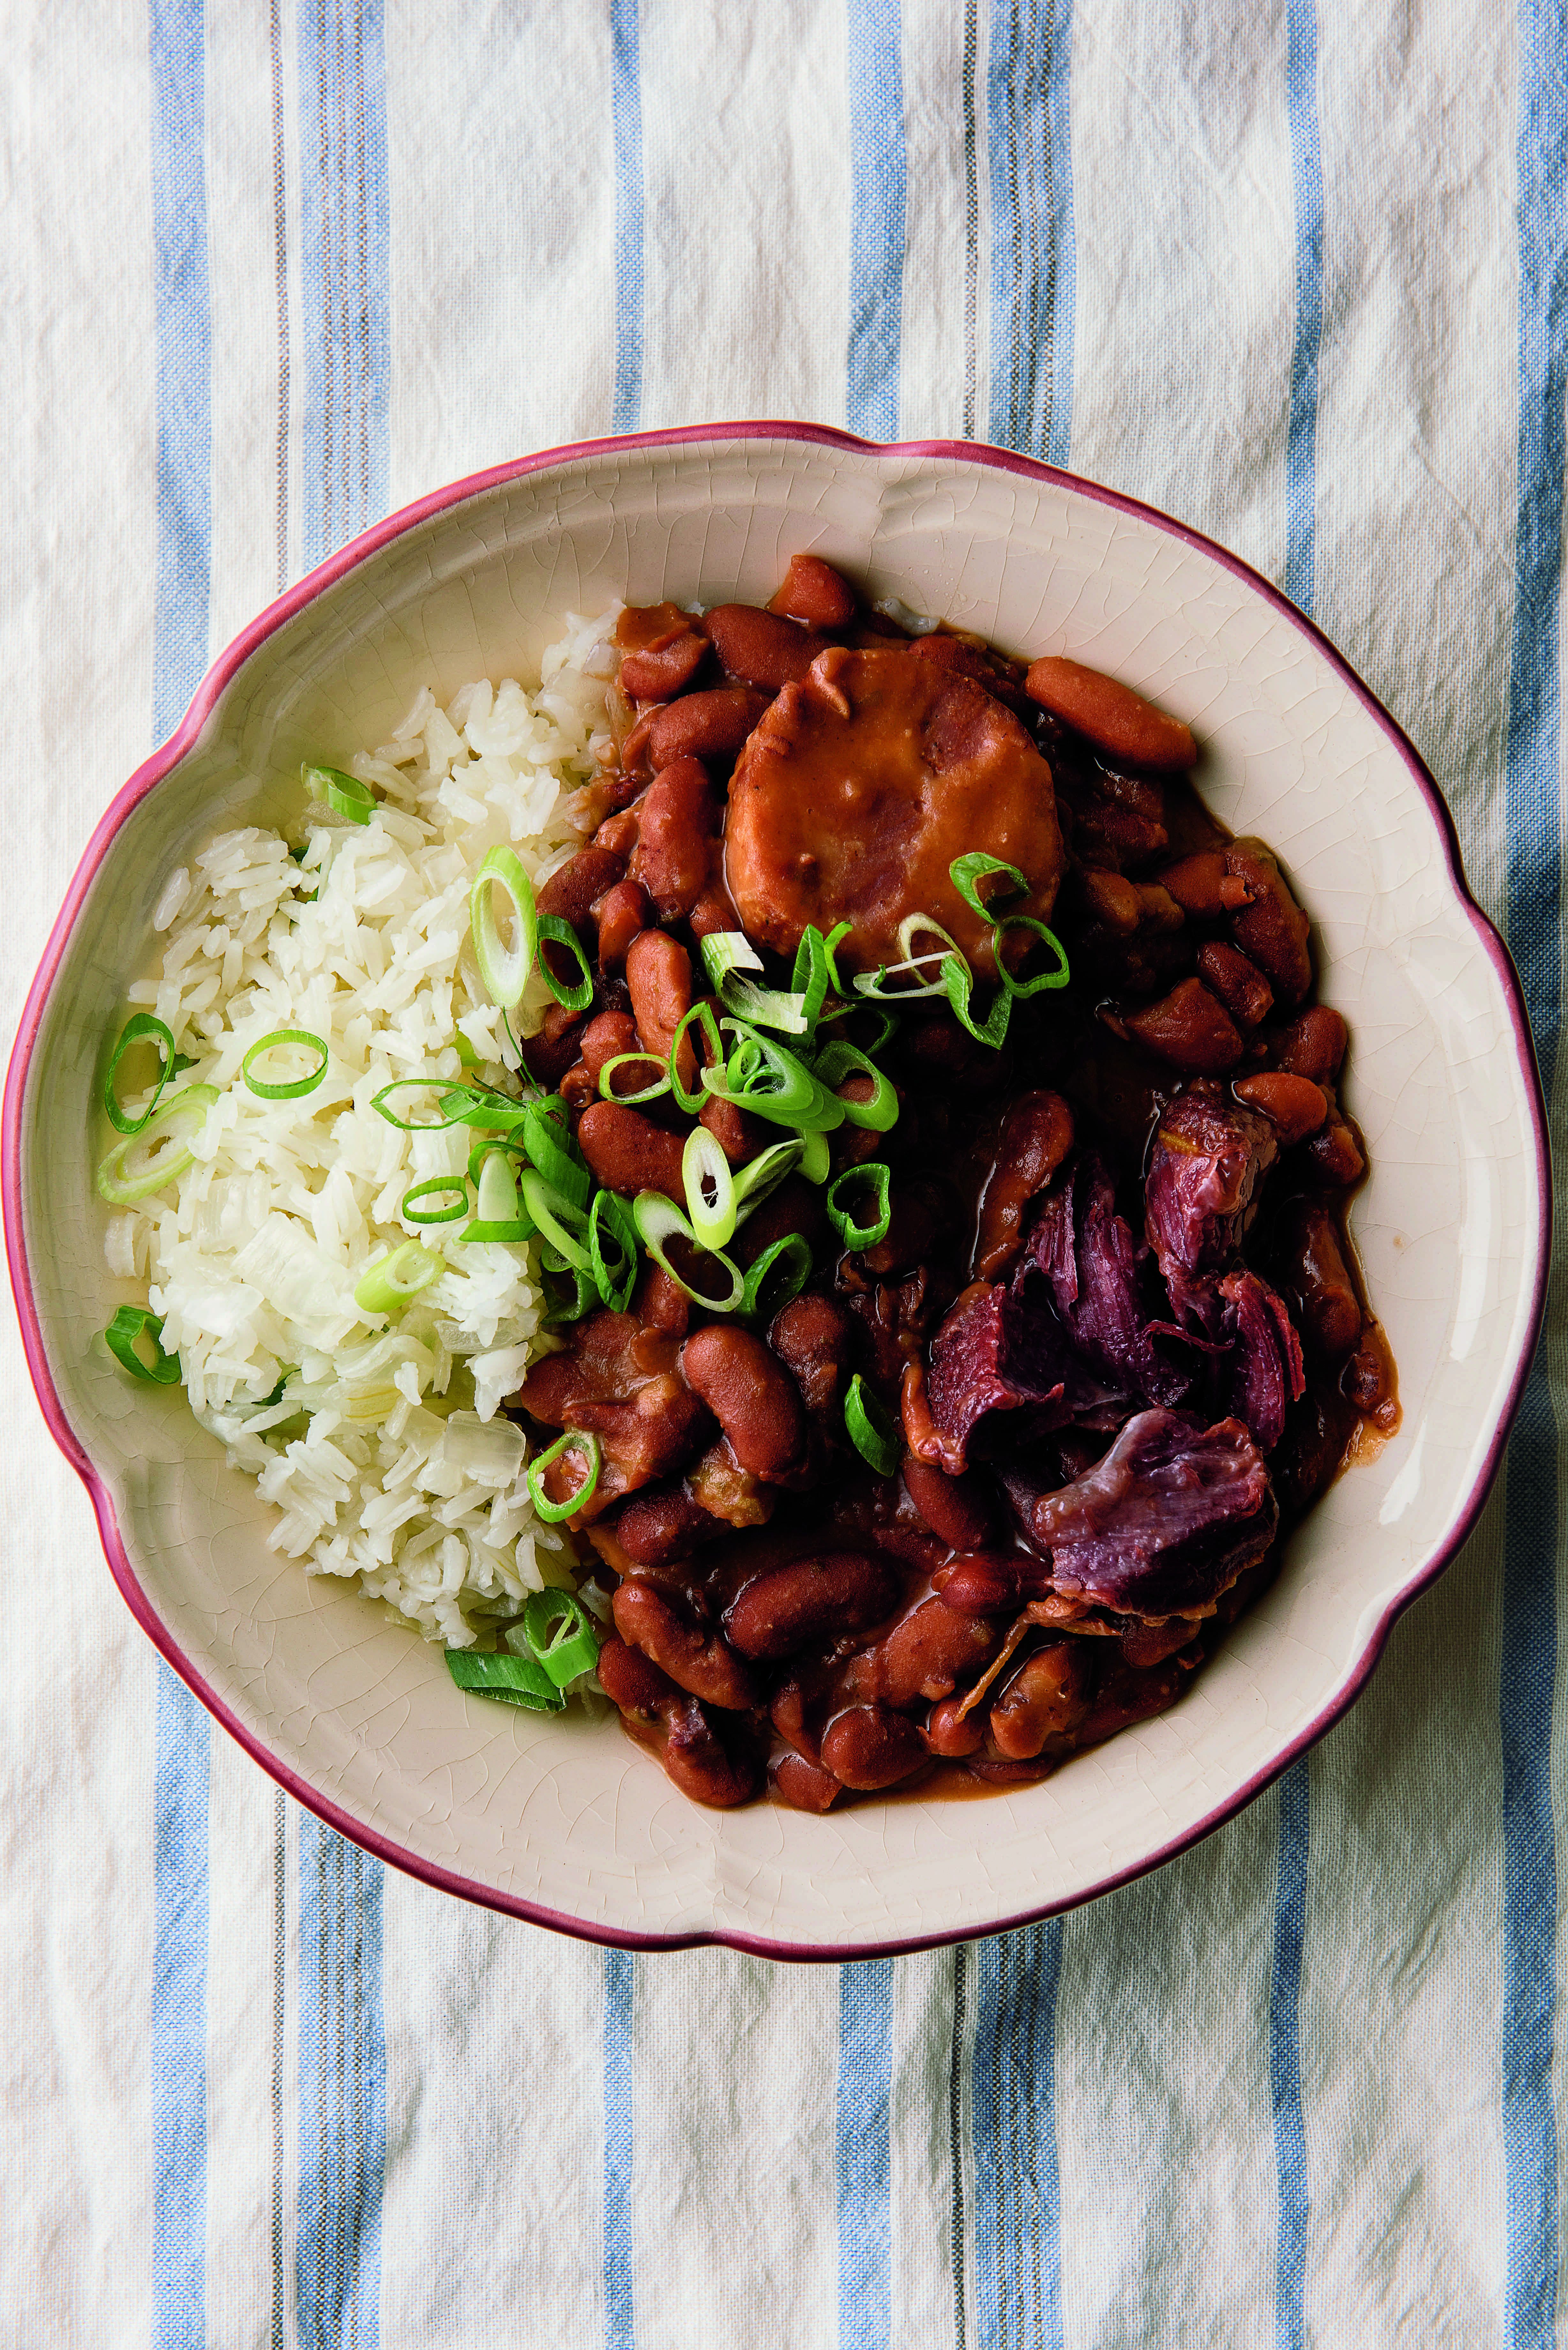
point(497, 1215)
point(814, 1161)
point(658, 1220)
point(762, 1176)
point(344, 795)
point(489, 1143)
point(609, 1217)
point(392, 1280)
point(727, 955)
point(547, 1140)
point(296, 1087)
point(794, 1254)
point(468, 1096)
point(703, 1013)
point(967, 872)
point(704, 1166)
point(585, 1293)
point(1057, 978)
point(648, 1093)
point(127, 1326)
point(121, 1180)
point(560, 1633)
point(503, 970)
point(839, 1060)
point(140, 1025)
point(854, 1235)
point(515, 1680)
point(763, 1077)
point(554, 931)
point(871, 1432)
point(427, 1191)
point(548, 1208)
point(579, 1440)
point(958, 983)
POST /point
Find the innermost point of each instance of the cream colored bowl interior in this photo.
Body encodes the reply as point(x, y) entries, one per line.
point(569, 1817)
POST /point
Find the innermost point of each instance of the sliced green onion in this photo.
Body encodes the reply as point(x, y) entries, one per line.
point(887, 1025)
point(572, 1439)
point(814, 1161)
point(549, 1208)
point(464, 1049)
point(547, 1140)
point(584, 1290)
point(141, 1026)
point(1057, 978)
point(912, 927)
point(958, 983)
point(615, 1273)
point(457, 1102)
point(129, 1323)
point(815, 971)
point(392, 1280)
point(295, 1087)
point(727, 955)
point(703, 1013)
point(554, 931)
point(857, 1236)
point(344, 795)
point(497, 1215)
point(762, 1176)
point(839, 1060)
point(126, 1177)
point(659, 1219)
point(710, 1189)
point(560, 1633)
point(515, 1680)
point(416, 1213)
point(871, 1432)
point(646, 1093)
point(967, 872)
point(503, 969)
point(792, 1258)
point(761, 1075)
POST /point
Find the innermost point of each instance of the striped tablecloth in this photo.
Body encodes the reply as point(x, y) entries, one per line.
point(1296, 275)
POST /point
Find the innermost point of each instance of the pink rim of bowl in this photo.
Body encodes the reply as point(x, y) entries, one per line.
point(153, 770)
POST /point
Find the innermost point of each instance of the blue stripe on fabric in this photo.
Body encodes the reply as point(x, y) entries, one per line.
point(1285, 2058)
point(620, 2320)
point(179, 2036)
point(877, 174)
point(1531, 1520)
point(626, 109)
point(864, 2156)
point(182, 333)
point(1017, 2185)
point(1033, 267)
point(342, 2093)
point(344, 229)
point(182, 367)
point(1301, 438)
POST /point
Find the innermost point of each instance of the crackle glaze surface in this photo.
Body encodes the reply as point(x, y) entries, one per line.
point(567, 1822)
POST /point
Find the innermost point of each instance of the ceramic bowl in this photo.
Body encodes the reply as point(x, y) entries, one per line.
point(566, 1822)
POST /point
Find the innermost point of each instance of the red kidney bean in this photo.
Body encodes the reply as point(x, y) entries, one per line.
point(1334, 1151)
point(918, 1211)
point(627, 1153)
point(701, 1764)
point(956, 1509)
point(949, 1731)
point(815, 1338)
point(699, 1659)
point(663, 669)
point(661, 1304)
point(702, 725)
point(633, 1681)
point(1272, 930)
point(1190, 1029)
point(658, 1529)
point(994, 1773)
point(792, 1608)
point(738, 1134)
point(1203, 888)
point(549, 1053)
point(618, 834)
point(1036, 1136)
point(1045, 1698)
point(678, 819)
point(1126, 1696)
point(987, 1583)
point(1369, 1379)
point(761, 649)
point(621, 912)
point(1112, 899)
point(815, 593)
point(1315, 1269)
point(1115, 719)
point(926, 1654)
point(795, 1207)
point(1313, 1045)
point(1239, 984)
point(922, 1434)
point(714, 910)
point(1293, 1107)
point(571, 891)
point(804, 1785)
point(786, 1711)
point(578, 1088)
point(871, 1747)
point(658, 976)
point(607, 1034)
point(749, 1395)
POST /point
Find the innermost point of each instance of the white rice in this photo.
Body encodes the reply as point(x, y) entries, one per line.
point(404, 1475)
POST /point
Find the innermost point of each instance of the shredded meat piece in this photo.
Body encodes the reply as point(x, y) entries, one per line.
point(1207, 1160)
point(1083, 1254)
